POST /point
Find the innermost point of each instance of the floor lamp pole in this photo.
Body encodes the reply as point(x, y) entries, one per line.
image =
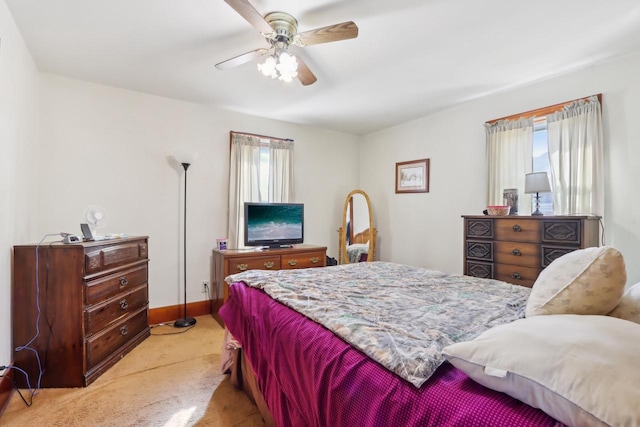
point(185, 321)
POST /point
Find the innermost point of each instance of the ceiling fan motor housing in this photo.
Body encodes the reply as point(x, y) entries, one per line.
point(284, 26)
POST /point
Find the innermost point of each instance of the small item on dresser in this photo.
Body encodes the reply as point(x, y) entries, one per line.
point(221, 244)
point(510, 197)
point(498, 210)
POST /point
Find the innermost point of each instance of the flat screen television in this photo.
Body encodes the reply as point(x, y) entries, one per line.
point(273, 225)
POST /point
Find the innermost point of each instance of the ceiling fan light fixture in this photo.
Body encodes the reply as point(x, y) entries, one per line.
point(280, 64)
point(287, 67)
point(268, 68)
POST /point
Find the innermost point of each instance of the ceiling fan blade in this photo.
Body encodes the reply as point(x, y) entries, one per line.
point(241, 59)
point(248, 12)
point(332, 33)
point(305, 75)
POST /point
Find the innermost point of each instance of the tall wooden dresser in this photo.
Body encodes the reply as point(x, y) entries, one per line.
point(516, 249)
point(233, 261)
point(92, 303)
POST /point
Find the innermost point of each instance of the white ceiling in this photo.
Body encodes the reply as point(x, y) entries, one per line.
point(411, 58)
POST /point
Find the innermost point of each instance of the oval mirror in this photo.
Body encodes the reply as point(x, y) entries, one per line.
point(357, 234)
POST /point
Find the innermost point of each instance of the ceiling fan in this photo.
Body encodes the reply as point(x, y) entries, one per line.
point(280, 30)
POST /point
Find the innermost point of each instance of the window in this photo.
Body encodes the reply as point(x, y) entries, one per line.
point(540, 155)
point(260, 170)
point(565, 141)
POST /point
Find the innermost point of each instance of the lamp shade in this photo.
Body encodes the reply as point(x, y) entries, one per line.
point(537, 182)
point(185, 156)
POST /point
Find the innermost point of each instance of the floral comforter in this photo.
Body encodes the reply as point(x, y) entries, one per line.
point(400, 316)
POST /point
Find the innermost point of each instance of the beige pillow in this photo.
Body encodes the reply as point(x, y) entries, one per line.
point(586, 281)
point(629, 306)
point(582, 370)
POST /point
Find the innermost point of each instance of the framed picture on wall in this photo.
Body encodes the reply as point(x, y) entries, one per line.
point(413, 176)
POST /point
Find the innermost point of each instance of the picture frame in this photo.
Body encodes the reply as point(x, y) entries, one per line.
point(412, 176)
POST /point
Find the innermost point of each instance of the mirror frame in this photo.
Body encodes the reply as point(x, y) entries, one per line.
point(343, 258)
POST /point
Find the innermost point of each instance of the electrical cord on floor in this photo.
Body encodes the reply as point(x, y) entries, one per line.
point(31, 394)
point(170, 325)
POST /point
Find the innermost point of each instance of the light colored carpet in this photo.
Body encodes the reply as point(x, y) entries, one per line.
point(170, 380)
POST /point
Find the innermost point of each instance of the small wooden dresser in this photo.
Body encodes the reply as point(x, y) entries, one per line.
point(233, 261)
point(93, 301)
point(515, 249)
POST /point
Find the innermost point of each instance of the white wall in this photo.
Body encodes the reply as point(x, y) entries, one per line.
point(111, 147)
point(426, 229)
point(18, 159)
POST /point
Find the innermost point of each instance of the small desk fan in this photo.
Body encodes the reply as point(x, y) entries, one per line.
point(96, 217)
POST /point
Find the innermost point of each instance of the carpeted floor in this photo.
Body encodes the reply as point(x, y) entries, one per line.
point(168, 380)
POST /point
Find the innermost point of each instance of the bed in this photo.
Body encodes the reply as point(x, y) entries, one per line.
point(306, 363)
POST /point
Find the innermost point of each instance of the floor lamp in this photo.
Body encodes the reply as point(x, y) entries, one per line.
point(185, 158)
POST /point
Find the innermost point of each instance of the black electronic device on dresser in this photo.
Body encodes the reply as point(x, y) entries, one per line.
point(92, 302)
point(516, 249)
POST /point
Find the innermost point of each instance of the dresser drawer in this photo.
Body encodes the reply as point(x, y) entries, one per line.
point(479, 269)
point(517, 230)
point(101, 345)
point(517, 274)
point(101, 315)
point(303, 260)
point(517, 253)
point(479, 250)
point(550, 253)
point(239, 265)
point(109, 286)
point(112, 256)
point(479, 229)
point(565, 232)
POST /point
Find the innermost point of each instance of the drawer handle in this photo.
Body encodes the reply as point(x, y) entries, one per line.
point(516, 276)
point(123, 282)
point(242, 267)
point(293, 262)
point(516, 252)
point(315, 260)
point(123, 330)
point(123, 304)
point(516, 228)
point(269, 264)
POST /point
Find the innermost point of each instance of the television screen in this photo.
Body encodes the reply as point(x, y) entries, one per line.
point(273, 224)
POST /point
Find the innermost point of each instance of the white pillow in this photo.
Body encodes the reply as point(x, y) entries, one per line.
point(586, 281)
point(629, 306)
point(582, 370)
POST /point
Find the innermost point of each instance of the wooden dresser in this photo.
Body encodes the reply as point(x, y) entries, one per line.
point(234, 261)
point(515, 249)
point(93, 300)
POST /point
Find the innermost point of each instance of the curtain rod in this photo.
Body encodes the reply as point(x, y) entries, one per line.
point(260, 136)
point(544, 111)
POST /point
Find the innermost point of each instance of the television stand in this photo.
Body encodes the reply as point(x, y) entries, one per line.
point(233, 261)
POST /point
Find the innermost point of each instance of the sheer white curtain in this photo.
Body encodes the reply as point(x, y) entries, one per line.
point(244, 183)
point(280, 171)
point(576, 158)
point(244, 178)
point(509, 151)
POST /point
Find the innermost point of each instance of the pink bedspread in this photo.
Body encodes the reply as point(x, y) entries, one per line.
point(310, 377)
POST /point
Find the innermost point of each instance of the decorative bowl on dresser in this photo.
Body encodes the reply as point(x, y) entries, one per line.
point(515, 249)
point(93, 301)
point(233, 261)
